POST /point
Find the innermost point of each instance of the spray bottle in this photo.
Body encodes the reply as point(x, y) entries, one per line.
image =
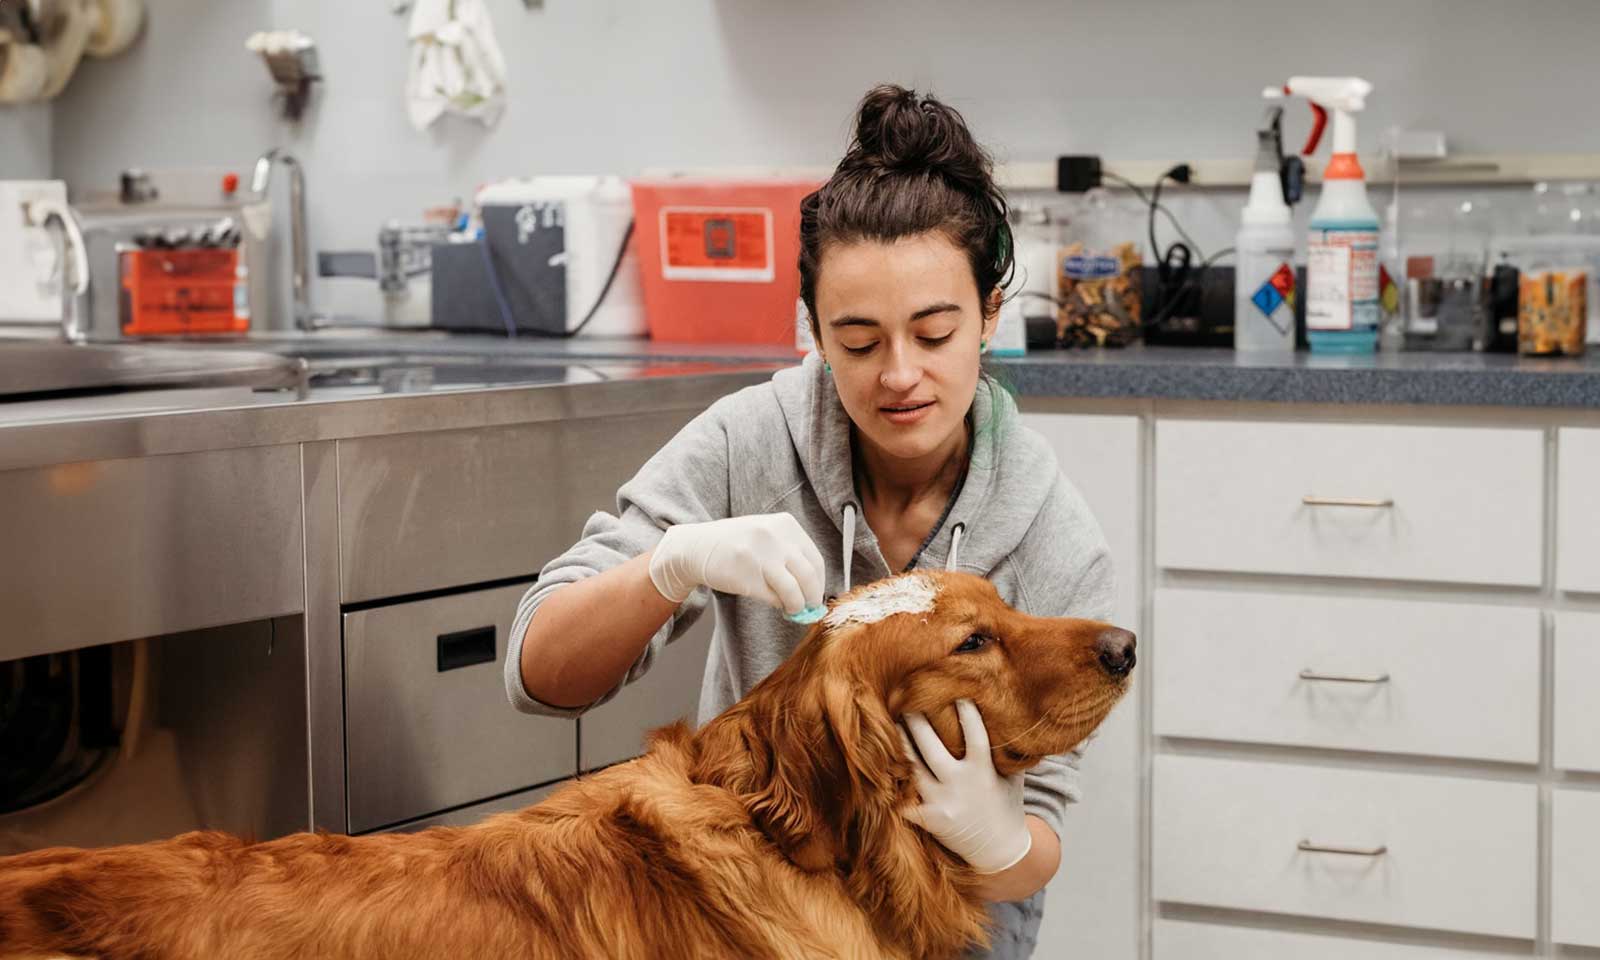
point(1342, 310)
point(1264, 281)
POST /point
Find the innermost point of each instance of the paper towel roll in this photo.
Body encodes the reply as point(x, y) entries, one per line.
point(116, 27)
point(63, 46)
point(23, 72)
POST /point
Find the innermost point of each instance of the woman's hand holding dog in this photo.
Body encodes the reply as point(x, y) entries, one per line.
point(966, 804)
point(767, 557)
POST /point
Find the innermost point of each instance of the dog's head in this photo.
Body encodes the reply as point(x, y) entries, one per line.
point(920, 641)
point(814, 747)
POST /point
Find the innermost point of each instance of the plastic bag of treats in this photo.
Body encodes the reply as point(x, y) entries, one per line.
point(1099, 296)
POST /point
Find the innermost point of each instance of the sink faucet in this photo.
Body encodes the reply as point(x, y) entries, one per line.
point(74, 264)
point(297, 226)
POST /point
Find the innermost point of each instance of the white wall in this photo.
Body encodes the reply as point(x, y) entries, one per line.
point(622, 85)
point(25, 142)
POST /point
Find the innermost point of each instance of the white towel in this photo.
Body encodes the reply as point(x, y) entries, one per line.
point(455, 63)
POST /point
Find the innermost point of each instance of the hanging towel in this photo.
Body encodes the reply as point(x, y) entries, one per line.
point(455, 63)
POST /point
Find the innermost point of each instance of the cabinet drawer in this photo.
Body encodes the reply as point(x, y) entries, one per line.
point(1451, 504)
point(1182, 940)
point(426, 511)
point(478, 812)
point(1458, 854)
point(1575, 868)
point(1577, 670)
point(1578, 510)
point(427, 726)
point(615, 730)
point(1348, 673)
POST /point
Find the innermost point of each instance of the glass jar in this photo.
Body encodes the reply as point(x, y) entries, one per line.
point(1556, 291)
point(1445, 247)
point(1097, 278)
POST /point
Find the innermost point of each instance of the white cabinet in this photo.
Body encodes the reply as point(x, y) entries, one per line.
point(1092, 907)
point(1352, 673)
point(1451, 504)
point(1575, 865)
point(1577, 692)
point(1444, 853)
point(1578, 510)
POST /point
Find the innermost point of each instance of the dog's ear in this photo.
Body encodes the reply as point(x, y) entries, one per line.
point(866, 739)
point(772, 751)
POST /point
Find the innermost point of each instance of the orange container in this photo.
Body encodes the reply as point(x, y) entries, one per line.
point(167, 292)
point(718, 258)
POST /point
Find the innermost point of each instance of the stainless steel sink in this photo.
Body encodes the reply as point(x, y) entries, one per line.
point(30, 369)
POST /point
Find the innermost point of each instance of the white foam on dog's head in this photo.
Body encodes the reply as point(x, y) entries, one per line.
point(911, 593)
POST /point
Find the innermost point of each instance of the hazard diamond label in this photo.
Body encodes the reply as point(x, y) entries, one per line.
point(1276, 291)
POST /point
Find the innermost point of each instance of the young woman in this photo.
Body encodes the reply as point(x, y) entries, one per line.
point(887, 449)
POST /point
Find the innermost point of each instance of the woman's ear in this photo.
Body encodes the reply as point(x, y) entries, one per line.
point(991, 313)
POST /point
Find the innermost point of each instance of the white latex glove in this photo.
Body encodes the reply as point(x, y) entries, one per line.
point(967, 806)
point(767, 557)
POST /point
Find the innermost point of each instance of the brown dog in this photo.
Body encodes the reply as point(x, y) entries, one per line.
point(773, 832)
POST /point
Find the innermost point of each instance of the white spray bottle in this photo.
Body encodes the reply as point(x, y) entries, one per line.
point(1264, 279)
point(1342, 312)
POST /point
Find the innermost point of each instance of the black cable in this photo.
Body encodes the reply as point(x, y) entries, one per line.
point(505, 307)
point(1144, 199)
point(1171, 303)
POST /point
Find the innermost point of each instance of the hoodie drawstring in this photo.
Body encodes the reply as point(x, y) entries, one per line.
point(849, 541)
point(848, 547)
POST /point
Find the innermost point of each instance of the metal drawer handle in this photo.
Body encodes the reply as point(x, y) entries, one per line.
point(1312, 500)
point(464, 648)
point(1340, 678)
point(1307, 846)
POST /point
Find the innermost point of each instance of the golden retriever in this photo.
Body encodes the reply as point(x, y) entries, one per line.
point(775, 831)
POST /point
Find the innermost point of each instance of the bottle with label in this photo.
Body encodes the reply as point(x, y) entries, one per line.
point(1264, 280)
point(1342, 309)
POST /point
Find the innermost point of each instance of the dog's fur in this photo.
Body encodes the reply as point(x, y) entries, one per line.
point(773, 832)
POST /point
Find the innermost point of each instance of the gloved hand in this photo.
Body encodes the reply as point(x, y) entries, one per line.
point(767, 557)
point(967, 806)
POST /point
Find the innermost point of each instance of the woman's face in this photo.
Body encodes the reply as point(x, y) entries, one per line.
point(900, 322)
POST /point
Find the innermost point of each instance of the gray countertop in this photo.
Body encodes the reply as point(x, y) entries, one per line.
point(1169, 373)
point(393, 383)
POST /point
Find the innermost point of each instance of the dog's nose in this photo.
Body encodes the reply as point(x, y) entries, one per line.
point(1116, 651)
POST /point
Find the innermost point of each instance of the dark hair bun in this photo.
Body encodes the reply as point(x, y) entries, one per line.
point(912, 167)
point(899, 131)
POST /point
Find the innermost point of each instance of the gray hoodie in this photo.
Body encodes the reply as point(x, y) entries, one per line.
point(784, 446)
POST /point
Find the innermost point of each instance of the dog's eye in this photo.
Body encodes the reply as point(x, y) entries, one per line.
point(975, 642)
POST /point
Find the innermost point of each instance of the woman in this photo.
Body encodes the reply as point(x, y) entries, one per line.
point(889, 440)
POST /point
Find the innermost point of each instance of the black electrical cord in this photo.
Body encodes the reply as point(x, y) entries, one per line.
point(505, 307)
point(1145, 199)
point(1171, 302)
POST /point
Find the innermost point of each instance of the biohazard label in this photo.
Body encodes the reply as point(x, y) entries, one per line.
point(717, 243)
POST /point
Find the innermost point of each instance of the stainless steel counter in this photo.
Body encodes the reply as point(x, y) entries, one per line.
point(360, 397)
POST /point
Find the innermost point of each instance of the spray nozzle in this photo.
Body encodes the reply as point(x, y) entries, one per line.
point(1343, 95)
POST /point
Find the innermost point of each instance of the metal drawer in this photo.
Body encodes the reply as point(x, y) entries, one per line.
point(478, 812)
point(427, 725)
point(426, 511)
point(110, 550)
point(615, 730)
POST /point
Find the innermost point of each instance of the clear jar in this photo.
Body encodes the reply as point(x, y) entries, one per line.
point(1445, 247)
point(1039, 230)
point(1098, 281)
point(1557, 291)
